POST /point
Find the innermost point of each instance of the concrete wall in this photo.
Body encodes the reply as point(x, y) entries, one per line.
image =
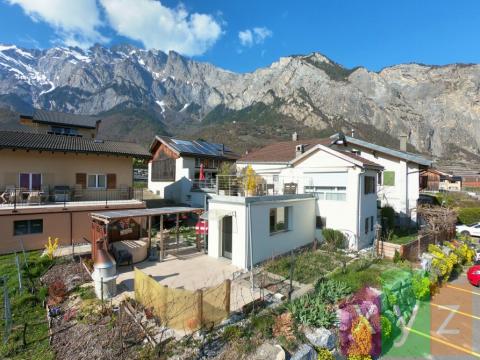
point(70, 226)
point(60, 168)
point(264, 244)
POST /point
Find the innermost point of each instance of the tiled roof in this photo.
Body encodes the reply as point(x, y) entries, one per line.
point(196, 147)
point(284, 152)
point(48, 142)
point(59, 118)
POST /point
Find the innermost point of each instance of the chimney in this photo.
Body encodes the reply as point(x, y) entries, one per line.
point(299, 150)
point(295, 136)
point(403, 142)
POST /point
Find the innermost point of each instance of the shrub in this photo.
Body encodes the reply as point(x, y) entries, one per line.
point(362, 337)
point(50, 247)
point(311, 310)
point(388, 216)
point(334, 239)
point(263, 324)
point(386, 327)
point(420, 286)
point(396, 257)
point(324, 354)
point(331, 291)
point(469, 215)
point(57, 291)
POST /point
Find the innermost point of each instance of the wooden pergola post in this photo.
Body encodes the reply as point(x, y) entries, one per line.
point(177, 231)
point(149, 220)
point(162, 245)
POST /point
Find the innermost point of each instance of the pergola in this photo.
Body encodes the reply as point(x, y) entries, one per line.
point(102, 220)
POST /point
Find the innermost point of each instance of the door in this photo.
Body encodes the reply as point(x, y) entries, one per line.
point(227, 237)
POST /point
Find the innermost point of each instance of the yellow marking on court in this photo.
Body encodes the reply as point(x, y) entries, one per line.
point(456, 311)
point(456, 347)
point(462, 289)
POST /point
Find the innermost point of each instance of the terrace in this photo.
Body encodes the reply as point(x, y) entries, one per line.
point(12, 197)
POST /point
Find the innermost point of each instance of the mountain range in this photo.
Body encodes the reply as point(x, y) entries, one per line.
point(142, 92)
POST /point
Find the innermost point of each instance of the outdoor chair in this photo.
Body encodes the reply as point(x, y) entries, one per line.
point(35, 196)
point(6, 196)
point(78, 192)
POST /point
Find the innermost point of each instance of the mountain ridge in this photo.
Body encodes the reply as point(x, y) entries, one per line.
point(437, 105)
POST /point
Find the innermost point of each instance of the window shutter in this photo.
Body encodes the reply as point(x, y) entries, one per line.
point(111, 181)
point(81, 179)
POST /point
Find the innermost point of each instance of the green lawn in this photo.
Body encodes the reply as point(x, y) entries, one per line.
point(309, 265)
point(26, 308)
point(363, 272)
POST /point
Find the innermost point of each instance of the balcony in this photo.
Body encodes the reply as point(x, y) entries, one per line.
point(16, 197)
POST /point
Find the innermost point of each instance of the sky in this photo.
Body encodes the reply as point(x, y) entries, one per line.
point(243, 35)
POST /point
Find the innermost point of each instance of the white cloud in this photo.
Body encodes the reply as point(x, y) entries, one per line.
point(160, 27)
point(76, 22)
point(255, 36)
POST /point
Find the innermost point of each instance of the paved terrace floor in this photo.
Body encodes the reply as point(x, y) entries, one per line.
point(191, 270)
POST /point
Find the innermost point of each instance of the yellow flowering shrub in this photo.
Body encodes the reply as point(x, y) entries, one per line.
point(362, 337)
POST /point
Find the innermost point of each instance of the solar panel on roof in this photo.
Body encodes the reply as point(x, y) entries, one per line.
point(182, 142)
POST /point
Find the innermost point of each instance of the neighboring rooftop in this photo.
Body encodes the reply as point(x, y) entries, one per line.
point(285, 151)
point(382, 149)
point(46, 142)
point(281, 152)
point(62, 119)
point(195, 148)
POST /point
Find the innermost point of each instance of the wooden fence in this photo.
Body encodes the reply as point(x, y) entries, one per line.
point(183, 309)
point(414, 249)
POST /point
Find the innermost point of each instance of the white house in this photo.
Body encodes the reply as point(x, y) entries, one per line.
point(249, 230)
point(399, 183)
point(343, 183)
point(173, 172)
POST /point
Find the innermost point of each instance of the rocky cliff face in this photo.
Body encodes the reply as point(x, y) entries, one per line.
point(439, 106)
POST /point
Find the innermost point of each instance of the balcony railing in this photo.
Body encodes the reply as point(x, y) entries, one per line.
point(47, 195)
point(257, 185)
point(209, 185)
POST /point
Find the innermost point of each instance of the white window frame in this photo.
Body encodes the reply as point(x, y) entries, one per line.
point(30, 179)
point(96, 181)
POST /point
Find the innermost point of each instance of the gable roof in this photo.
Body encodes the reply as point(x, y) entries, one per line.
point(415, 158)
point(64, 119)
point(195, 148)
point(284, 152)
point(60, 143)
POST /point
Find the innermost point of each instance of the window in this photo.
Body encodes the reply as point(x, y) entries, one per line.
point(337, 193)
point(371, 223)
point(320, 223)
point(25, 227)
point(389, 178)
point(59, 130)
point(279, 219)
point(31, 181)
point(370, 185)
point(366, 225)
point(97, 181)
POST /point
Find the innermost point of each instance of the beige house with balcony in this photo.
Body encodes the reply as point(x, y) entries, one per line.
point(50, 182)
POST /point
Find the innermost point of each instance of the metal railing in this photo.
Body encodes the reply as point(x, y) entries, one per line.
point(260, 185)
point(47, 195)
point(209, 185)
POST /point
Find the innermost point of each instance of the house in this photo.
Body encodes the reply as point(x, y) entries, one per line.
point(52, 122)
point(51, 181)
point(342, 183)
point(174, 171)
point(436, 180)
point(399, 183)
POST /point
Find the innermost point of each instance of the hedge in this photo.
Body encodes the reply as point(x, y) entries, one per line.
point(469, 215)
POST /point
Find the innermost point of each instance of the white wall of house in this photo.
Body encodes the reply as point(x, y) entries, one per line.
point(265, 245)
point(174, 190)
point(346, 213)
point(403, 196)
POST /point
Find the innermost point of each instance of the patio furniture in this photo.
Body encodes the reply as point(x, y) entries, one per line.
point(121, 255)
point(35, 196)
point(137, 249)
point(289, 188)
point(78, 192)
point(61, 193)
point(6, 196)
